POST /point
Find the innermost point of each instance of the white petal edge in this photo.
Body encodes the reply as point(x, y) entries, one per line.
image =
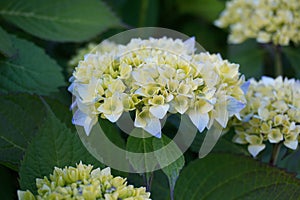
point(198, 119)
point(159, 111)
point(82, 119)
point(189, 44)
point(113, 117)
point(255, 149)
point(291, 144)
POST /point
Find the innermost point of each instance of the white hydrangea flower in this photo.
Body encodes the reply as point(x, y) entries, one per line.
point(153, 77)
point(276, 21)
point(272, 114)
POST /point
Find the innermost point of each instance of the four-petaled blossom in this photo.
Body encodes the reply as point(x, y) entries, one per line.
point(153, 77)
point(272, 114)
point(276, 21)
point(82, 182)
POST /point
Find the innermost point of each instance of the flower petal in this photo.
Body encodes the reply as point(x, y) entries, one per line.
point(198, 119)
point(113, 117)
point(159, 111)
point(189, 44)
point(148, 122)
point(245, 86)
point(234, 106)
point(267, 80)
point(82, 119)
point(79, 118)
point(221, 113)
point(291, 144)
point(154, 127)
point(255, 149)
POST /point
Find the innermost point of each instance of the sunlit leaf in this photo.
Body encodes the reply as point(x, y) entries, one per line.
point(68, 20)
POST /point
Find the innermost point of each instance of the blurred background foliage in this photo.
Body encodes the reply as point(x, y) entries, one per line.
point(38, 38)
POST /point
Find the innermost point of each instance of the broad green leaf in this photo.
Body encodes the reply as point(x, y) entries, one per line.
point(249, 56)
point(170, 157)
point(143, 159)
point(62, 111)
point(225, 176)
point(20, 117)
point(56, 20)
point(293, 55)
point(291, 163)
point(208, 9)
point(29, 70)
point(54, 145)
point(6, 46)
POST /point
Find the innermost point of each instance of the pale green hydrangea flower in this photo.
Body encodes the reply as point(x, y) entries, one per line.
point(105, 47)
point(276, 21)
point(272, 114)
point(153, 77)
point(84, 183)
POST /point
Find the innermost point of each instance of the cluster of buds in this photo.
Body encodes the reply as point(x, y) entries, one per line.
point(272, 114)
point(276, 21)
point(84, 183)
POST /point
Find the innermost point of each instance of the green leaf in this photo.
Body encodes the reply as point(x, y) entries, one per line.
point(54, 146)
point(6, 46)
point(224, 144)
point(208, 9)
point(170, 157)
point(20, 117)
point(293, 55)
point(144, 159)
point(159, 187)
point(291, 163)
point(225, 176)
point(249, 56)
point(61, 111)
point(30, 70)
point(112, 133)
point(67, 20)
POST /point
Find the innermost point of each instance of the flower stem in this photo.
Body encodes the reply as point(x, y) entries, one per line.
point(275, 153)
point(278, 61)
point(148, 177)
point(143, 12)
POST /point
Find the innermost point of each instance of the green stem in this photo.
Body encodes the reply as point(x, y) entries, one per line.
point(278, 61)
point(148, 177)
point(171, 192)
point(143, 12)
point(275, 153)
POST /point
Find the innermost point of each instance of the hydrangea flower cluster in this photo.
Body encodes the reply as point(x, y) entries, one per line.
point(104, 47)
point(272, 114)
point(153, 77)
point(276, 21)
point(83, 183)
